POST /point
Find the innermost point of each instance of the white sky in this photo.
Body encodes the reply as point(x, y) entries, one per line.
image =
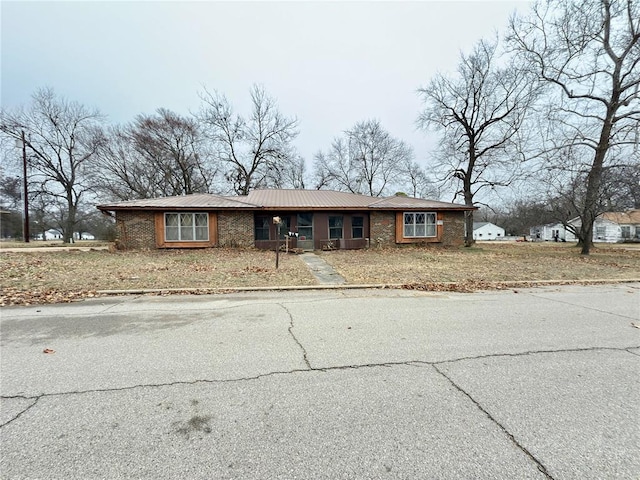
point(330, 64)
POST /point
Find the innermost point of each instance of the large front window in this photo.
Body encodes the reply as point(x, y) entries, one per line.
point(186, 227)
point(419, 224)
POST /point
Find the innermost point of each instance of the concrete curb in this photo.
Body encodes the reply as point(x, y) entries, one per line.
point(380, 286)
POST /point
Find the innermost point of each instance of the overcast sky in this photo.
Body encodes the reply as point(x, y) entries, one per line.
point(330, 64)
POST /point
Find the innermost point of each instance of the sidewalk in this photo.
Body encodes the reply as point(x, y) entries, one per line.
point(321, 270)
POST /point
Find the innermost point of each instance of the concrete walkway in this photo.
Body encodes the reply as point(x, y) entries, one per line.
point(324, 273)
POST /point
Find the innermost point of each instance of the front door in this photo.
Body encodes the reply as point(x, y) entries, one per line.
point(305, 231)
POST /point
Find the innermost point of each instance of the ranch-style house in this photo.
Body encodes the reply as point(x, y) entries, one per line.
point(311, 219)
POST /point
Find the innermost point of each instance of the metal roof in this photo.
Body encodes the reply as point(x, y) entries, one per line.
point(400, 202)
point(196, 201)
point(311, 199)
point(281, 199)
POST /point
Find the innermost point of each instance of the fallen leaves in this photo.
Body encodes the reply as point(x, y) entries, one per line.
point(14, 296)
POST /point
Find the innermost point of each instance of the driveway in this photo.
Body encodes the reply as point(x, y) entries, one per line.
point(340, 384)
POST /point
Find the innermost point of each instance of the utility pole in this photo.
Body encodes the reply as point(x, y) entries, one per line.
point(25, 228)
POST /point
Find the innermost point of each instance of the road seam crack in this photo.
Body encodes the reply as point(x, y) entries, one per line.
point(513, 439)
point(407, 363)
point(580, 306)
point(25, 410)
point(295, 339)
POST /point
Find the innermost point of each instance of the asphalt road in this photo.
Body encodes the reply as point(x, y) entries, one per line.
point(340, 384)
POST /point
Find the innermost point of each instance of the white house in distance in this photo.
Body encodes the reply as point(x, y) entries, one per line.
point(549, 232)
point(609, 227)
point(54, 234)
point(487, 231)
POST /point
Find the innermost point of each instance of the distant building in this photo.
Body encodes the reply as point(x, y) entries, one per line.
point(609, 227)
point(53, 234)
point(487, 231)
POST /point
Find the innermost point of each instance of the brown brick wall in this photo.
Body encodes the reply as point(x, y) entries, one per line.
point(235, 229)
point(135, 230)
point(382, 228)
point(453, 232)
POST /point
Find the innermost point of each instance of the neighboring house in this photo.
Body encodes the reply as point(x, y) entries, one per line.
point(629, 223)
point(609, 227)
point(54, 234)
point(51, 234)
point(487, 231)
point(316, 218)
point(551, 232)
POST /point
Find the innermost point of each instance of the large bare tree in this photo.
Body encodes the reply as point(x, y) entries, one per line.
point(156, 155)
point(365, 160)
point(588, 53)
point(479, 113)
point(61, 139)
point(252, 150)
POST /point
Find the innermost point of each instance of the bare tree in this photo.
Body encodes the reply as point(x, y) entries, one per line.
point(479, 113)
point(61, 138)
point(416, 181)
point(157, 155)
point(251, 150)
point(588, 53)
point(123, 173)
point(366, 160)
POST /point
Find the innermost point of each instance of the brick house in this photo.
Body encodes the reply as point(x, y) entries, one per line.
point(316, 219)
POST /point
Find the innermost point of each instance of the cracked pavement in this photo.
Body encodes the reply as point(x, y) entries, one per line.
point(525, 383)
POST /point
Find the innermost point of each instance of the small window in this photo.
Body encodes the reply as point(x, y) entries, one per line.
point(420, 224)
point(357, 227)
point(261, 230)
point(335, 226)
point(186, 227)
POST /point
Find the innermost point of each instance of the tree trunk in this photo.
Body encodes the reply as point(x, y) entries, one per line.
point(468, 224)
point(70, 222)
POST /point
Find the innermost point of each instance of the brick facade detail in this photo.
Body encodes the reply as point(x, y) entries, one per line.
point(135, 230)
point(235, 229)
point(382, 228)
point(453, 233)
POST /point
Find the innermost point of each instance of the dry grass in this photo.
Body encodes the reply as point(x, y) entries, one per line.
point(49, 276)
point(486, 262)
point(39, 277)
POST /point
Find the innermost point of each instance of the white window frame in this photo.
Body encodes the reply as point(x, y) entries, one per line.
point(180, 227)
point(414, 226)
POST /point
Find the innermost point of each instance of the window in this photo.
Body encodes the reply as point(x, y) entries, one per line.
point(335, 227)
point(186, 227)
point(626, 231)
point(261, 230)
point(357, 227)
point(305, 226)
point(601, 232)
point(419, 224)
